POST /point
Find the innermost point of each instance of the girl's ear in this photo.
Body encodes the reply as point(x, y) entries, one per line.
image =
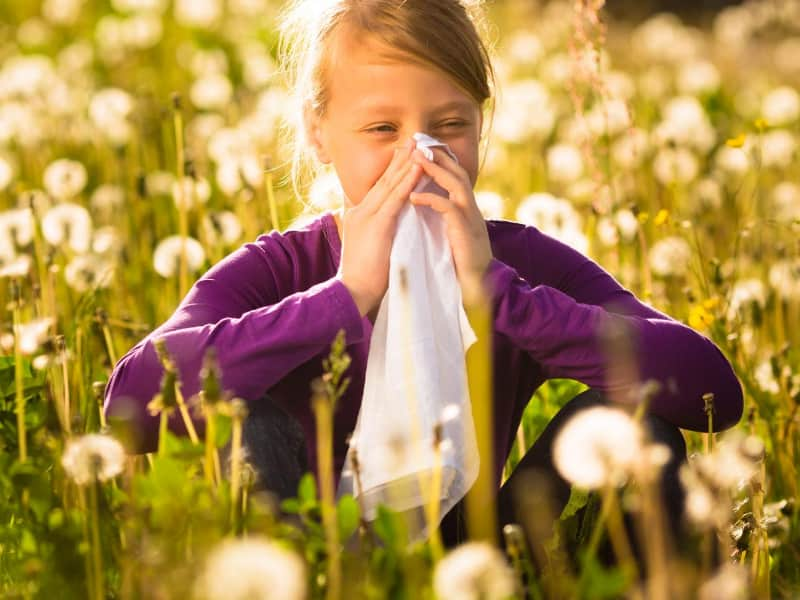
point(313, 127)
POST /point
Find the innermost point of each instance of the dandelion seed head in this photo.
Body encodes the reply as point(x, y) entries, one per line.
point(781, 106)
point(202, 14)
point(191, 192)
point(325, 193)
point(491, 204)
point(627, 224)
point(606, 231)
point(519, 100)
point(663, 38)
point(733, 161)
point(166, 257)
point(88, 271)
point(135, 6)
point(608, 118)
point(17, 225)
point(474, 570)
point(670, 257)
point(555, 217)
point(730, 582)
point(93, 457)
point(778, 148)
point(708, 193)
point(784, 277)
point(18, 267)
point(698, 77)
point(107, 198)
point(211, 92)
point(64, 179)
point(109, 110)
point(258, 67)
point(765, 378)
point(685, 123)
point(223, 227)
point(70, 223)
point(675, 165)
point(62, 12)
point(597, 447)
point(744, 295)
point(33, 334)
point(254, 567)
point(160, 183)
point(564, 163)
point(524, 48)
point(786, 202)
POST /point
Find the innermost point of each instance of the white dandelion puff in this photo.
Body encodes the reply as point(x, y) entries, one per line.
point(598, 447)
point(491, 204)
point(17, 267)
point(109, 110)
point(606, 231)
point(106, 240)
point(33, 334)
point(198, 13)
point(211, 92)
point(62, 12)
point(745, 295)
point(786, 202)
point(685, 123)
point(64, 178)
point(93, 457)
point(781, 106)
point(631, 148)
point(733, 161)
point(7, 172)
point(223, 227)
point(325, 193)
point(524, 112)
point(524, 48)
point(670, 257)
point(167, 255)
point(608, 118)
point(708, 193)
point(564, 163)
point(474, 570)
point(784, 277)
point(87, 272)
point(70, 223)
point(765, 378)
point(730, 582)
point(16, 229)
point(627, 224)
point(555, 217)
point(160, 183)
point(675, 165)
point(698, 77)
point(254, 567)
point(778, 148)
point(107, 199)
point(192, 192)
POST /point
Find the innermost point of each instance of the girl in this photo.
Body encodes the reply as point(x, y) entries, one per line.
point(368, 74)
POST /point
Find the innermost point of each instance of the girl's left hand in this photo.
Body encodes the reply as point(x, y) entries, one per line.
point(466, 229)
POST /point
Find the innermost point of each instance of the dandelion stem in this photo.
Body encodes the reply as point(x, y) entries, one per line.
point(236, 465)
point(162, 433)
point(97, 560)
point(19, 391)
point(187, 420)
point(183, 219)
point(273, 206)
point(323, 413)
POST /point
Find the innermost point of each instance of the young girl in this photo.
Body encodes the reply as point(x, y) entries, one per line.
point(369, 74)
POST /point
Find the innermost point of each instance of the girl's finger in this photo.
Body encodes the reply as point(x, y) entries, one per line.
point(445, 178)
point(402, 190)
point(440, 204)
point(388, 179)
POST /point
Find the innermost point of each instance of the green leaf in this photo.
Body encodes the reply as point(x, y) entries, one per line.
point(291, 506)
point(307, 489)
point(348, 514)
point(224, 428)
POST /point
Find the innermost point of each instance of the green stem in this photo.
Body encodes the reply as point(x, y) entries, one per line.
point(97, 559)
point(18, 386)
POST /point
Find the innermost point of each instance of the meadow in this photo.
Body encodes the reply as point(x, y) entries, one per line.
point(140, 142)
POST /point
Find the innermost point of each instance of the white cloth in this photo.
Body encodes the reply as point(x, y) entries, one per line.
point(416, 375)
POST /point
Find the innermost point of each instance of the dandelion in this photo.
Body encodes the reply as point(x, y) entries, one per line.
point(598, 447)
point(663, 38)
point(160, 183)
point(198, 13)
point(326, 192)
point(166, 258)
point(524, 48)
point(784, 277)
point(6, 172)
point(786, 202)
point(627, 224)
point(524, 112)
point(70, 222)
point(88, 271)
point(34, 334)
point(746, 295)
point(685, 123)
point(606, 232)
point(62, 12)
point(781, 106)
point(698, 77)
point(608, 118)
point(670, 257)
point(675, 165)
point(778, 148)
point(708, 193)
point(16, 230)
point(223, 227)
point(134, 6)
point(733, 161)
point(491, 204)
point(258, 67)
point(619, 85)
point(93, 457)
point(630, 149)
point(64, 179)
point(109, 110)
point(564, 163)
point(553, 216)
point(730, 582)
point(233, 174)
point(193, 191)
point(211, 92)
point(764, 376)
point(106, 240)
point(18, 267)
point(474, 570)
point(255, 567)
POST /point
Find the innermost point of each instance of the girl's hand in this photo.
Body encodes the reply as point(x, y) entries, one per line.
point(368, 230)
point(466, 229)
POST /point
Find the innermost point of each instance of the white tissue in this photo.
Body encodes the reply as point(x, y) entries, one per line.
point(416, 376)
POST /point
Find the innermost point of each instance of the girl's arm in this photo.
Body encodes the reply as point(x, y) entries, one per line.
point(566, 321)
point(259, 337)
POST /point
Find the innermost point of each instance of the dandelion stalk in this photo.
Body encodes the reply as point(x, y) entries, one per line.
point(708, 408)
point(437, 550)
point(273, 206)
point(212, 395)
point(323, 414)
point(97, 558)
point(19, 391)
point(238, 414)
point(183, 217)
point(480, 501)
point(102, 318)
point(65, 382)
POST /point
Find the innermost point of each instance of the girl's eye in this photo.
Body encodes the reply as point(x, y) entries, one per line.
point(385, 128)
point(451, 124)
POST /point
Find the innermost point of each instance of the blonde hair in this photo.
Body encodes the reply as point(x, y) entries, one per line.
point(443, 34)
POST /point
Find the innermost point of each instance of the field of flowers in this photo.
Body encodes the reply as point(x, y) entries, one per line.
point(140, 143)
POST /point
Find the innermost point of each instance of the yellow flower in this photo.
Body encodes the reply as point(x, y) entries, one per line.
point(736, 142)
point(761, 124)
point(661, 217)
point(701, 315)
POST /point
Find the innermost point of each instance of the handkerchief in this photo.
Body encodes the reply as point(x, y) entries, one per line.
point(415, 430)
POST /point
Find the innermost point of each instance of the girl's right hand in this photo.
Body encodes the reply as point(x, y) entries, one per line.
point(368, 230)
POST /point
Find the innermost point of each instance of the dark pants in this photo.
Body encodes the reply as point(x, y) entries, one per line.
point(276, 449)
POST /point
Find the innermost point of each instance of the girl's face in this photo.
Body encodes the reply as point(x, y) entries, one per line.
point(376, 101)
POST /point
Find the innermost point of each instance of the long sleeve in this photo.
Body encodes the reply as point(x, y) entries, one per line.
point(565, 320)
point(258, 335)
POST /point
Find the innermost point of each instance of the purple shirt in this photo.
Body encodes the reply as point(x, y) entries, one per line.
point(273, 307)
